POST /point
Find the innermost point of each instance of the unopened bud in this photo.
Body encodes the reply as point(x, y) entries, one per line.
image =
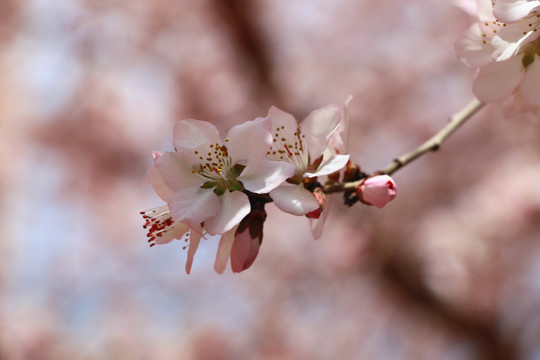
point(377, 190)
point(247, 240)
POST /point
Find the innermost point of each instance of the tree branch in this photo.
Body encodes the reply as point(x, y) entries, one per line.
point(433, 144)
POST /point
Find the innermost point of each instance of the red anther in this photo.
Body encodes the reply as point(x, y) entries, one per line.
point(151, 239)
point(153, 244)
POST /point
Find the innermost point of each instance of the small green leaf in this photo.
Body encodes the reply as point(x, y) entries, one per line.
point(527, 60)
point(208, 185)
point(236, 186)
point(220, 190)
point(237, 169)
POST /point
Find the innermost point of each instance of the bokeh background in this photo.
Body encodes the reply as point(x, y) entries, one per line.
point(88, 88)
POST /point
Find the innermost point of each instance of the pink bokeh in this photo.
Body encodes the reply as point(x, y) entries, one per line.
point(448, 270)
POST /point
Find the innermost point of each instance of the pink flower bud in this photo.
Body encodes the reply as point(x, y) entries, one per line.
point(377, 190)
point(247, 240)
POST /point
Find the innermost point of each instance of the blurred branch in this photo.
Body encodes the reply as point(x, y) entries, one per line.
point(402, 274)
point(241, 18)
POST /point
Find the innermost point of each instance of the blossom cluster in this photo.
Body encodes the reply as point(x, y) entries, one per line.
point(220, 187)
point(504, 46)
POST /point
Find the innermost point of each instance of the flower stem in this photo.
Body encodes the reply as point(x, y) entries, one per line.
point(433, 144)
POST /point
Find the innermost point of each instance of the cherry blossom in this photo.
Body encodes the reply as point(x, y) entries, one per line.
point(207, 182)
point(208, 176)
point(503, 45)
point(312, 146)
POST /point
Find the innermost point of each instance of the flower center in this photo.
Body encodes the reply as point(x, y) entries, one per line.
point(290, 148)
point(215, 163)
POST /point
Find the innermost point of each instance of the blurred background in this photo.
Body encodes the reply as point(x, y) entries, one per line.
point(88, 88)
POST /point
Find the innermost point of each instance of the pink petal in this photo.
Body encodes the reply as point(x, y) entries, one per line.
point(317, 225)
point(340, 139)
point(176, 173)
point(496, 81)
point(191, 134)
point(469, 6)
point(224, 251)
point(333, 164)
point(319, 127)
point(244, 251)
point(154, 178)
point(250, 140)
point(234, 207)
point(513, 10)
point(280, 118)
point(510, 39)
point(294, 199)
point(263, 176)
point(194, 240)
point(530, 87)
point(193, 205)
point(471, 50)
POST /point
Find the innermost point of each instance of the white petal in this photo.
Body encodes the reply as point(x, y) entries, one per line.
point(319, 127)
point(234, 207)
point(510, 39)
point(530, 87)
point(224, 250)
point(496, 81)
point(485, 10)
point(470, 48)
point(333, 164)
point(154, 178)
point(194, 239)
point(514, 10)
point(193, 205)
point(176, 173)
point(191, 134)
point(294, 199)
point(280, 118)
point(262, 176)
point(250, 140)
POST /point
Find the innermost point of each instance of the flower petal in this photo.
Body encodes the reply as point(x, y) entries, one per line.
point(510, 39)
point(154, 178)
point(224, 251)
point(194, 240)
point(191, 134)
point(283, 121)
point(234, 207)
point(263, 176)
point(496, 81)
point(294, 199)
point(530, 87)
point(471, 50)
point(176, 173)
point(340, 138)
point(316, 225)
point(333, 164)
point(193, 205)
point(319, 127)
point(250, 140)
point(514, 10)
